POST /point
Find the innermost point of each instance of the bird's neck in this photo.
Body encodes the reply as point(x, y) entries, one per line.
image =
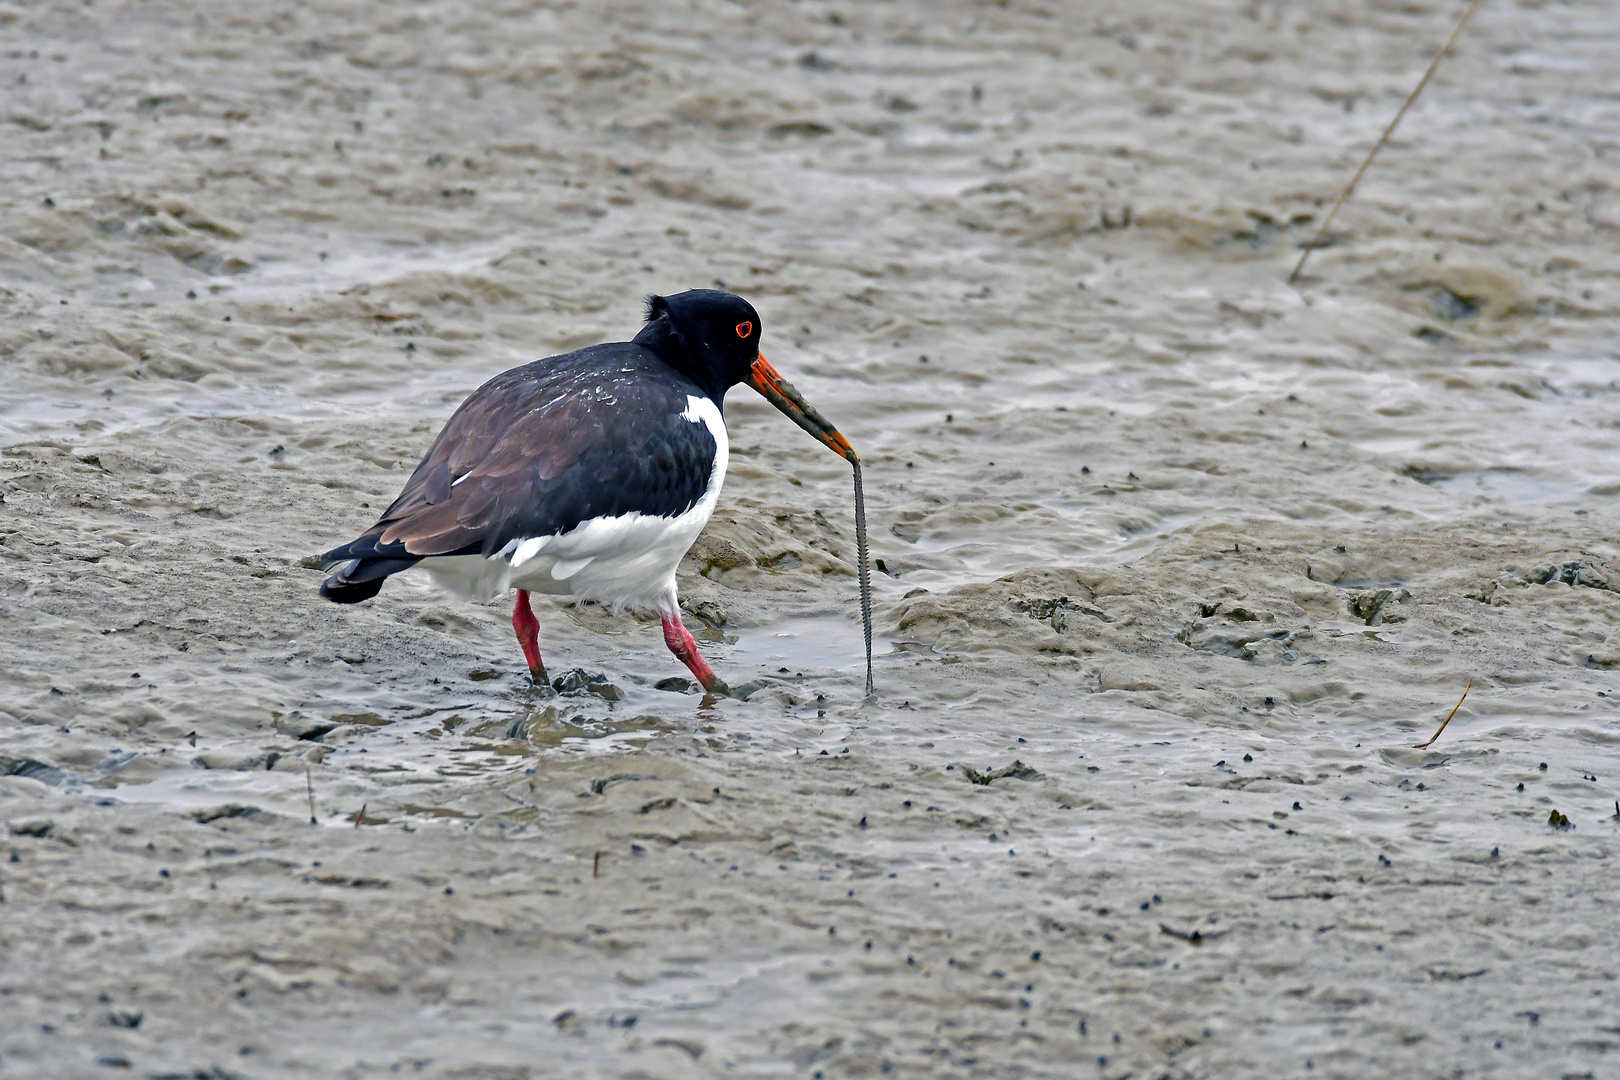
point(670, 346)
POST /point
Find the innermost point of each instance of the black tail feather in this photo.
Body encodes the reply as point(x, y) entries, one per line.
point(365, 563)
point(338, 591)
point(362, 579)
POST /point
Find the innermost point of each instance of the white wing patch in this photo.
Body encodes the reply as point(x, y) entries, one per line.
point(460, 478)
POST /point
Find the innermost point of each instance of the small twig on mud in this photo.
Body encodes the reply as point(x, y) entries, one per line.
point(360, 815)
point(1447, 720)
point(309, 782)
point(1350, 188)
point(1017, 770)
point(596, 864)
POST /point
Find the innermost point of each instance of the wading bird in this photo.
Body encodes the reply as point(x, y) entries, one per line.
point(588, 474)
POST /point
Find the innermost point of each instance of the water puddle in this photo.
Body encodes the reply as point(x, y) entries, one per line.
point(1083, 534)
point(1499, 485)
point(384, 758)
point(824, 643)
point(353, 761)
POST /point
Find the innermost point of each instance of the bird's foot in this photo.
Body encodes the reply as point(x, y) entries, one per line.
point(539, 684)
point(715, 686)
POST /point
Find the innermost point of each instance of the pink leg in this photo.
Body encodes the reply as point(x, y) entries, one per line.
point(528, 635)
point(686, 651)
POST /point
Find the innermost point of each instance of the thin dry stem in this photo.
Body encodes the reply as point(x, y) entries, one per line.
point(865, 572)
point(1344, 196)
point(1447, 720)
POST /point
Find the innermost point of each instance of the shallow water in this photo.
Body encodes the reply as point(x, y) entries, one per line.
point(1141, 509)
point(831, 642)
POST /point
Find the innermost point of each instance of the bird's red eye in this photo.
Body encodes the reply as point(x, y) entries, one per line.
point(744, 329)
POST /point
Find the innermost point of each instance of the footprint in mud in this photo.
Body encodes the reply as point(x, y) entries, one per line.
point(577, 681)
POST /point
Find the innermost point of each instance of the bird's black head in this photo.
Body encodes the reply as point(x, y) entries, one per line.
point(711, 337)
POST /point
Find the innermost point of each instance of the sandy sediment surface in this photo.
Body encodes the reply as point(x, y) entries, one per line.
point(1177, 563)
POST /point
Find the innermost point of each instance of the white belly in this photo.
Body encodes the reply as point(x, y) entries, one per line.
point(627, 561)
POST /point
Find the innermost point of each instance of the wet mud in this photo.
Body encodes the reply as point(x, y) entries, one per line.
point(1175, 564)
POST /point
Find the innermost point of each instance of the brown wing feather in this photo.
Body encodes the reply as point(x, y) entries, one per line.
point(533, 452)
point(498, 440)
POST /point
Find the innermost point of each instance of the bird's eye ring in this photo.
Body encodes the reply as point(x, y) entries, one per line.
point(744, 329)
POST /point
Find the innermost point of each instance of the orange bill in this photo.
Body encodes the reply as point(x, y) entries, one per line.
point(779, 392)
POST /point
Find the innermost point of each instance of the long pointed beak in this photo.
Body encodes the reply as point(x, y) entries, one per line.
point(779, 392)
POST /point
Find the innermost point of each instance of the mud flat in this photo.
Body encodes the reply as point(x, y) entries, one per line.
point(1178, 563)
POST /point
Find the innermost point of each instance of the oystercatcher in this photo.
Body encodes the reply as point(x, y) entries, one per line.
point(588, 474)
